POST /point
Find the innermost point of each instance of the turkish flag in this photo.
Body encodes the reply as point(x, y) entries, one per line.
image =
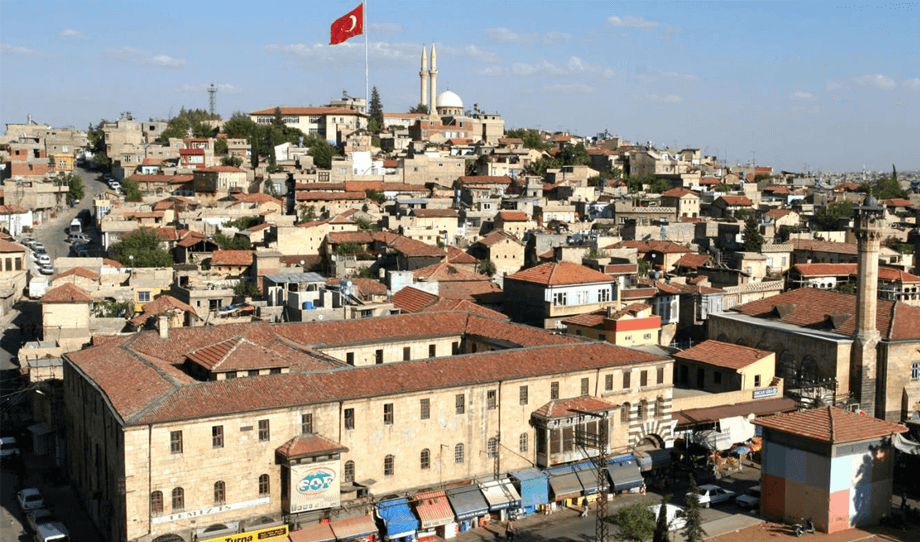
point(347, 26)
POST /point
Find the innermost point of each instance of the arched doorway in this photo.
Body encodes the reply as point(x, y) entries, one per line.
point(169, 538)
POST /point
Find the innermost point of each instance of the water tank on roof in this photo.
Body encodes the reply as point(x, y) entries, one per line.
point(308, 306)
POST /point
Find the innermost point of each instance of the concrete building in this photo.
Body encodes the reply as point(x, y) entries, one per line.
point(13, 268)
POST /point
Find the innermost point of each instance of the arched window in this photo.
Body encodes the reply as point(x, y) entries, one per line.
point(220, 492)
point(156, 502)
point(426, 458)
point(624, 412)
point(522, 442)
point(178, 499)
point(264, 485)
point(388, 465)
point(492, 447)
point(349, 471)
point(458, 454)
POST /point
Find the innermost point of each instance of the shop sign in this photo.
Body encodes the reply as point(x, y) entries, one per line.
point(270, 533)
point(766, 392)
point(209, 511)
point(315, 486)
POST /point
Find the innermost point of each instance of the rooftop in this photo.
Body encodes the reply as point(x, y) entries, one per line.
point(831, 424)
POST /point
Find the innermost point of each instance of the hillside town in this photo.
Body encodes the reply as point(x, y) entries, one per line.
point(340, 323)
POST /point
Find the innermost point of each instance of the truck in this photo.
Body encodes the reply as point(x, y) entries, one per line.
point(37, 287)
point(75, 226)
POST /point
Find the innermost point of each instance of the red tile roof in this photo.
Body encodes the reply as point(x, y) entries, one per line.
point(256, 197)
point(720, 354)
point(831, 424)
point(591, 319)
point(485, 179)
point(778, 213)
point(168, 179)
point(236, 354)
point(67, 293)
point(330, 196)
point(448, 272)
point(302, 111)
point(573, 407)
point(159, 305)
point(692, 261)
point(6, 246)
point(709, 181)
point(560, 274)
point(678, 192)
point(411, 299)
point(823, 246)
point(497, 237)
point(12, 210)
point(434, 213)
point(112, 263)
point(231, 257)
point(457, 256)
point(736, 200)
point(513, 216)
point(760, 407)
point(78, 271)
point(309, 445)
point(479, 291)
point(447, 304)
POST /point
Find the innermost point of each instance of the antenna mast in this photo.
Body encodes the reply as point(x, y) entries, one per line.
point(212, 98)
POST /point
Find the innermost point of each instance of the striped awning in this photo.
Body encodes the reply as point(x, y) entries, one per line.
point(433, 509)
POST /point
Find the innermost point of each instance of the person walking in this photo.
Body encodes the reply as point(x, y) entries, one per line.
point(509, 531)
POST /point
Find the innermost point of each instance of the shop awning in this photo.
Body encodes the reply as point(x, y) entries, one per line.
point(625, 474)
point(500, 494)
point(433, 509)
point(467, 502)
point(319, 532)
point(345, 529)
point(587, 475)
point(398, 519)
point(565, 484)
point(534, 486)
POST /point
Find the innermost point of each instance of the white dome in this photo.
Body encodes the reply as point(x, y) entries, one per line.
point(449, 100)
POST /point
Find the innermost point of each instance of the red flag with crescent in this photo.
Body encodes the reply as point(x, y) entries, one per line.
point(347, 26)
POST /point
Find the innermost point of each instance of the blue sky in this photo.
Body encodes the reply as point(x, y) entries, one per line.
point(835, 86)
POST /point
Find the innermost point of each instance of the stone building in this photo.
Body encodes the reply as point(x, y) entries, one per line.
point(173, 432)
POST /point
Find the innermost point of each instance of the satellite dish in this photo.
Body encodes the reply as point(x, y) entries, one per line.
point(350, 284)
point(346, 291)
point(342, 282)
point(319, 317)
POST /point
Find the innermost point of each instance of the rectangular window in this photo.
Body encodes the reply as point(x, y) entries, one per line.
point(175, 442)
point(585, 384)
point(350, 358)
point(263, 431)
point(523, 395)
point(608, 382)
point(378, 355)
point(306, 424)
point(717, 377)
point(553, 390)
point(455, 348)
point(626, 380)
point(460, 403)
point(756, 381)
point(349, 418)
point(643, 378)
point(602, 336)
point(647, 336)
point(661, 375)
point(432, 350)
point(217, 436)
point(492, 399)
point(560, 298)
point(424, 409)
point(143, 296)
point(407, 353)
point(915, 370)
point(388, 414)
point(568, 439)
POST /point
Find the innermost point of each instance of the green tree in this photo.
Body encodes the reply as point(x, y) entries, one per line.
point(661, 525)
point(321, 151)
point(375, 110)
point(721, 187)
point(375, 196)
point(635, 522)
point(420, 108)
point(884, 188)
point(237, 242)
point(693, 530)
point(365, 224)
point(131, 189)
point(348, 249)
point(545, 163)
point(486, 267)
point(307, 213)
point(373, 127)
point(75, 188)
point(531, 138)
point(188, 121)
point(241, 126)
point(660, 185)
point(247, 289)
point(220, 146)
point(574, 155)
point(828, 218)
point(234, 161)
point(141, 248)
point(241, 223)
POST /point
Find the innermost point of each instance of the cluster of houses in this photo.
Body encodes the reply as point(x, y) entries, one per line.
point(407, 341)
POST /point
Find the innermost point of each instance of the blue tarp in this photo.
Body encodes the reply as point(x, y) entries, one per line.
point(534, 487)
point(398, 519)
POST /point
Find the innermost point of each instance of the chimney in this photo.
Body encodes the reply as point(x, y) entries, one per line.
point(163, 325)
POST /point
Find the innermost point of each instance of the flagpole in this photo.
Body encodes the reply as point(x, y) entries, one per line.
point(367, 97)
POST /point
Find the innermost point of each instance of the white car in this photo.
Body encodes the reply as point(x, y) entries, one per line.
point(751, 499)
point(9, 449)
point(46, 269)
point(676, 516)
point(44, 259)
point(711, 494)
point(38, 247)
point(43, 519)
point(115, 185)
point(30, 499)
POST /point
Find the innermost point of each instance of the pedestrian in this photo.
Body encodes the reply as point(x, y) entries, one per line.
point(584, 511)
point(903, 500)
point(509, 531)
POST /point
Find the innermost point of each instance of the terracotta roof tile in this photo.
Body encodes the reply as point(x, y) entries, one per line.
point(231, 257)
point(78, 271)
point(457, 256)
point(236, 354)
point(823, 246)
point(591, 319)
point(443, 271)
point(67, 293)
point(6, 246)
point(573, 407)
point(831, 424)
point(411, 299)
point(736, 200)
point(479, 291)
point(309, 445)
point(678, 192)
point(513, 216)
point(331, 196)
point(720, 354)
point(559, 274)
point(435, 213)
point(485, 179)
point(692, 261)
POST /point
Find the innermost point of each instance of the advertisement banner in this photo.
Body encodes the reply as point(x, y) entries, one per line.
point(314, 486)
point(271, 533)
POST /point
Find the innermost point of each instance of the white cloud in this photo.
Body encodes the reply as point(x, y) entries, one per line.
point(655, 76)
point(386, 27)
point(554, 36)
point(492, 71)
point(912, 84)
point(165, 60)
point(506, 35)
point(573, 65)
point(569, 88)
point(71, 34)
point(802, 96)
point(809, 109)
point(139, 56)
point(470, 51)
point(380, 51)
point(16, 50)
point(664, 99)
point(877, 80)
point(630, 21)
point(835, 85)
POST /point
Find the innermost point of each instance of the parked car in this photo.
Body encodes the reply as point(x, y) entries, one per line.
point(30, 499)
point(46, 269)
point(44, 259)
point(711, 494)
point(676, 515)
point(51, 532)
point(115, 185)
point(39, 247)
point(9, 448)
point(78, 238)
point(751, 499)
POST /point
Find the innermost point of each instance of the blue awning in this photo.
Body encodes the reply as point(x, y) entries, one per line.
point(624, 474)
point(467, 502)
point(398, 519)
point(534, 487)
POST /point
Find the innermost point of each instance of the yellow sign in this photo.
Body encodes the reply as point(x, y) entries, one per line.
point(272, 533)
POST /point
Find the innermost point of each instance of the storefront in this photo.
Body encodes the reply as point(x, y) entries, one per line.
point(357, 529)
point(587, 475)
point(435, 515)
point(624, 474)
point(469, 505)
point(566, 487)
point(501, 496)
point(318, 532)
point(399, 522)
point(533, 487)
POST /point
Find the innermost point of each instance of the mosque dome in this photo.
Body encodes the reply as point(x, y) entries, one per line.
point(449, 100)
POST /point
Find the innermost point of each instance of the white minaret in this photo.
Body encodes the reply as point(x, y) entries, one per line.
point(423, 75)
point(433, 73)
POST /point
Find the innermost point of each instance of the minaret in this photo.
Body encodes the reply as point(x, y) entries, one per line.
point(433, 72)
point(423, 75)
point(867, 221)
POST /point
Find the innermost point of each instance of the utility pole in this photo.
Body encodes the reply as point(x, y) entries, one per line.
point(598, 441)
